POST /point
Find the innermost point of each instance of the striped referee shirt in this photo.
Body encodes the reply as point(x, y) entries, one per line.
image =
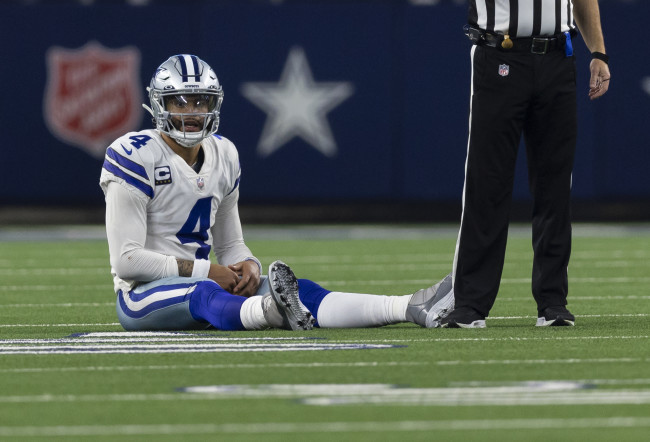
point(522, 18)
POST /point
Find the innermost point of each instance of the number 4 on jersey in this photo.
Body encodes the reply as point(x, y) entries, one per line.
point(138, 141)
point(200, 214)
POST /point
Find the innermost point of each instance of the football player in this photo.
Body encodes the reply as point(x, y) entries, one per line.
point(171, 198)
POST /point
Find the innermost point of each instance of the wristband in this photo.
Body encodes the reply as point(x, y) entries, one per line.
point(600, 56)
point(201, 268)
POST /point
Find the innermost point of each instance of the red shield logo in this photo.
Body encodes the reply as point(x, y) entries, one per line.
point(93, 95)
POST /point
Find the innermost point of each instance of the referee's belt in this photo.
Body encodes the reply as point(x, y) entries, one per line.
point(531, 45)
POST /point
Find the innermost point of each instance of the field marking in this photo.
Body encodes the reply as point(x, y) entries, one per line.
point(65, 271)
point(493, 398)
point(585, 298)
point(328, 427)
point(171, 342)
point(506, 281)
point(28, 263)
point(486, 339)
point(591, 258)
point(48, 287)
point(183, 348)
point(622, 315)
point(308, 365)
point(148, 341)
point(346, 390)
point(535, 393)
point(579, 381)
point(129, 368)
point(526, 393)
point(63, 304)
point(544, 361)
point(374, 282)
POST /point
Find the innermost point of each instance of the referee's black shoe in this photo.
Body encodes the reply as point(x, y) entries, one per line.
point(463, 317)
point(555, 316)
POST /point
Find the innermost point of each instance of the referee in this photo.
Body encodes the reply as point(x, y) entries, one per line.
point(523, 82)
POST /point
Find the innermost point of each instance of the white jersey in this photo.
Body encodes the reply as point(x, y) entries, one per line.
point(158, 208)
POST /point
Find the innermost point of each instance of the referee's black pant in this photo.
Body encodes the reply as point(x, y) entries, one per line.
point(515, 93)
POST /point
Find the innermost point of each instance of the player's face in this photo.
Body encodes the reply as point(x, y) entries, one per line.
point(192, 106)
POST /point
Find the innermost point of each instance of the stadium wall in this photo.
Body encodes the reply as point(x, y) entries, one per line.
point(379, 92)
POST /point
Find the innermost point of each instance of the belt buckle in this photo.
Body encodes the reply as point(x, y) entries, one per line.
point(539, 46)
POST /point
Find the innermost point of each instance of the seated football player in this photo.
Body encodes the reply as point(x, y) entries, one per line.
point(171, 198)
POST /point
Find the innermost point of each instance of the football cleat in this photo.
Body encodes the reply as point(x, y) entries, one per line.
point(463, 317)
point(557, 316)
point(284, 290)
point(428, 306)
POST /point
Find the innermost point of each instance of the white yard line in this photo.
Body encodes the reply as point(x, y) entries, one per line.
point(316, 395)
point(129, 368)
point(371, 364)
point(64, 271)
point(60, 305)
point(48, 288)
point(145, 347)
point(487, 339)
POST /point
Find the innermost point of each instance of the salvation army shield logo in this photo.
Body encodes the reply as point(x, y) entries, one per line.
point(93, 95)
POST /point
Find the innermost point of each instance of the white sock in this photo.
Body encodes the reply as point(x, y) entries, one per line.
point(252, 315)
point(357, 310)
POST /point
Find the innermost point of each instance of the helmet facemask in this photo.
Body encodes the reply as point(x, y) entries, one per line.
point(186, 118)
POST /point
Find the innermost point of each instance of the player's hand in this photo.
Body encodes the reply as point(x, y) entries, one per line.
point(225, 277)
point(599, 82)
point(249, 277)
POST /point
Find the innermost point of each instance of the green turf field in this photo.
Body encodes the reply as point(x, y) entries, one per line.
point(67, 372)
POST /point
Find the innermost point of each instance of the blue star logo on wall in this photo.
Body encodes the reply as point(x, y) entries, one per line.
point(297, 106)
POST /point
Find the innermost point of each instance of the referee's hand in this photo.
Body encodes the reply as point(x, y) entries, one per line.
point(599, 82)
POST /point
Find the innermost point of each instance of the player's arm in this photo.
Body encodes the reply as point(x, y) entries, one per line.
point(587, 17)
point(126, 229)
point(230, 248)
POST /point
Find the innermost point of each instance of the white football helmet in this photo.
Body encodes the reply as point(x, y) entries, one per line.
point(185, 82)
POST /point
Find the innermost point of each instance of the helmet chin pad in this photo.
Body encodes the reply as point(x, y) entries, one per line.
point(185, 141)
point(185, 138)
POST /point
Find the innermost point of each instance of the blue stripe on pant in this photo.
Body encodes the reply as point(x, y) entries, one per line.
point(179, 304)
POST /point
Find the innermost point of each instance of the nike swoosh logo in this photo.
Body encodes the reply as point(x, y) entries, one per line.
point(128, 152)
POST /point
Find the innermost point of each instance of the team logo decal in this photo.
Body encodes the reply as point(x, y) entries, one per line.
point(93, 95)
point(504, 70)
point(297, 106)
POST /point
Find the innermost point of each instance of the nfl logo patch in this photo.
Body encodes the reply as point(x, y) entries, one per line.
point(92, 95)
point(504, 70)
point(200, 182)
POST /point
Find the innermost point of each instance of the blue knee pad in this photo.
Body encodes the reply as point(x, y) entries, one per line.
point(311, 294)
point(209, 302)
